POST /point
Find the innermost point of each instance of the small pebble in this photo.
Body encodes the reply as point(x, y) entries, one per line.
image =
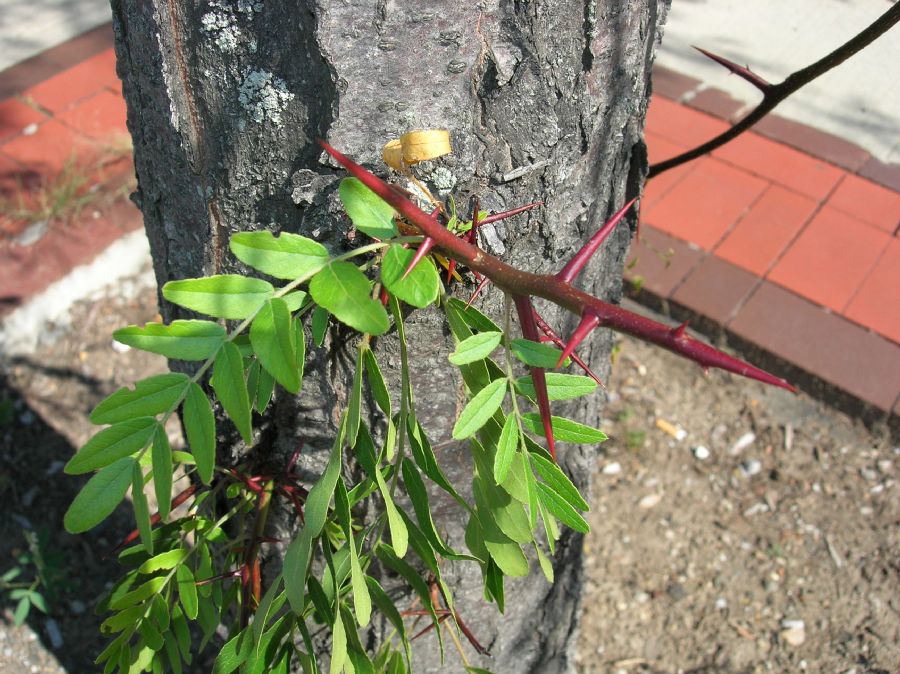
point(613, 468)
point(701, 453)
point(793, 637)
point(118, 347)
point(742, 443)
point(721, 603)
point(868, 474)
point(885, 466)
point(649, 501)
point(56, 639)
point(77, 606)
point(750, 467)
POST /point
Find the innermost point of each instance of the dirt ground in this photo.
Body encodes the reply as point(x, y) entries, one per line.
point(735, 528)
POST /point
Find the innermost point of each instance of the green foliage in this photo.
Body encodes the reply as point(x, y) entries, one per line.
point(196, 560)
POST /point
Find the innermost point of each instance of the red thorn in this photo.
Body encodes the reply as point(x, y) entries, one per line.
point(568, 273)
point(472, 235)
point(530, 331)
point(589, 321)
point(741, 71)
point(383, 296)
point(481, 286)
point(556, 339)
point(679, 332)
point(424, 247)
point(451, 267)
point(511, 212)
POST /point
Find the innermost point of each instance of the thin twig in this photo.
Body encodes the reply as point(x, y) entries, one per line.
point(774, 94)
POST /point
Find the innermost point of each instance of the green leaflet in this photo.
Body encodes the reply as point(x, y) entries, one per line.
point(222, 296)
point(141, 508)
point(472, 316)
point(536, 354)
point(100, 496)
point(187, 591)
point(420, 288)
point(344, 291)
point(287, 256)
point(387, 607)
point(564, 430)
point(558, 481)
point(150, 396)
point(338, 645)
point(365, 452)
point(506, 448)
point(368, 212)
point(234, 653)
point(418, 495)
point(260, 386)
point(561, 509)
point(362, 603)
point(319, 325)
point(111, 444)
point(180, 340)
point(296, 559)
point(376, 382)
point(231, 389)
point(161, 455)
point(164, 561)
point(481, 408)
point(559, 386)
point(475, 348)
point(272, 337)
point(200, 428)
point(353, 404)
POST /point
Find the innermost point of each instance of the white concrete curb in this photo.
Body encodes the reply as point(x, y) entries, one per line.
point(122, 270)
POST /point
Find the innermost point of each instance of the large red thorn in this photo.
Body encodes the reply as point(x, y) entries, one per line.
point(423, 250)
point(530, 331)
point(511, 212)
point(741, 71)
point(568, 273)
point(589, 321)
point(556, 339)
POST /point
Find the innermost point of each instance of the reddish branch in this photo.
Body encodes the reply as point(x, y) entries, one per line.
point(773, 94)
point(520, 283)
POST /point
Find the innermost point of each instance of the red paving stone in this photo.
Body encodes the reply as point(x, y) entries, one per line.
point(48, 149)
point(715, 289)
point(100, 116)
point(822, 343)
point(680, 124)
point(706, 203)
point(867, 201)
point(15, 116)
point(764, 233)
point(72, 85)
point(658, 149)
point(830, 259)
point(659, 262)
point(876, 303)
point(781, 164)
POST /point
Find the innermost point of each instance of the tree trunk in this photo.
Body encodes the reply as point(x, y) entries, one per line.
point(545, 101)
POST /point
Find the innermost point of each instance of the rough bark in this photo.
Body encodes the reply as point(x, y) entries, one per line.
point(545, 100)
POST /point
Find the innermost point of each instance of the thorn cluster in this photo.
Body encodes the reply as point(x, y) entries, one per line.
point(556, 288)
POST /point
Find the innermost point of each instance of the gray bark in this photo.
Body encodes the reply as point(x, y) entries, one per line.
point(225, 103)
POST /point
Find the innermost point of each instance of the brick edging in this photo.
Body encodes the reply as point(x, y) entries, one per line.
point(34, 70)
point(822, 145)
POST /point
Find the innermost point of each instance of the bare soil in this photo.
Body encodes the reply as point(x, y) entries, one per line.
point(776, 553)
